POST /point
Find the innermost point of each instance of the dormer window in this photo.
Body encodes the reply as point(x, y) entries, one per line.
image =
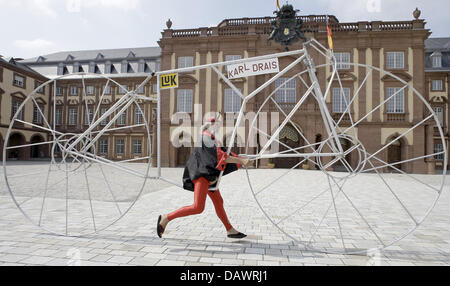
point(100, 57)
point(76, 67)
point(131, 55)
point(436, 60)
point(108, 67)
point(141, 67)
point(61, 69)
point(124, 68)
point(92, 67)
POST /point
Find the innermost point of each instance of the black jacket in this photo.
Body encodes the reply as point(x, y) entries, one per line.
point(206, 161)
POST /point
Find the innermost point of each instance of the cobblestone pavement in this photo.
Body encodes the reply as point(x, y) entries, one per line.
point(201, 240)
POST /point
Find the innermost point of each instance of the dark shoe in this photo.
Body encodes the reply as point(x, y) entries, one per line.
point(159, 228)
point(237, 235)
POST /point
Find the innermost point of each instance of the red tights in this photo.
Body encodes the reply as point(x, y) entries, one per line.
point(200, 192)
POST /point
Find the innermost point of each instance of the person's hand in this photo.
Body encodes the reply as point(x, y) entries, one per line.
point(246, 162)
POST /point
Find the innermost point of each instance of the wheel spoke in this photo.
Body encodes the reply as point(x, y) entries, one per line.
point(404, 173)
point(375, 109)
point(354, 97)
point(362, 217)
point(45, 195)
point(395, 195)
point(401, 136)
point(325, 214)
point(110, 190)
point(336, 212)
point(306, 204)
point(402, 162)
point(89, 195)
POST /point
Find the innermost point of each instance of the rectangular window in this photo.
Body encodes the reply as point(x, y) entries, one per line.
point(107, 89)
point(88, 116)
point(122, 120)
point(439, 111)
point(58, 117)
point(232, 101)
point(140, 90)
point(155, 88)
point(122, 89)
point(436, 85)
point(395, 60)
point(19, 81)
point(90, 90)
point(185, 62)
point(15, 107)
point(106, 120)
point(341, 100)
point(233, 58)
point(396, 103)
point(73, 90)
point(343, 60)
point(138, 118)
point(120, 146)
point(37, 117)
point(59, 91)
point(40, 90)
point(73, 116)
point(184, 100)
point(438, 148)
point(286, 90)
point(137, 146)
point(437, 61)
point(103, 146)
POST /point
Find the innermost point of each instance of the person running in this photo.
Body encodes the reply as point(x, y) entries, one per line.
point(201, 175)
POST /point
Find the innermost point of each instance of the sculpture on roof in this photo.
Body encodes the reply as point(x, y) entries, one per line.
point(286, 28)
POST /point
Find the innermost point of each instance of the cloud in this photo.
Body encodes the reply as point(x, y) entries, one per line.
point(36, 46)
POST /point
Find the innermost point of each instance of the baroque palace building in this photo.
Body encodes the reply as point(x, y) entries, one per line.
point(398, 47)
point(128, 67)
point(401, 47)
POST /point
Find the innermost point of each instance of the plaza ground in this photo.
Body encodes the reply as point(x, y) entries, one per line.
point(201, 240)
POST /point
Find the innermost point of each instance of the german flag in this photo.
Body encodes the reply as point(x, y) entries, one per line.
point(278, 4)
point(330, 35)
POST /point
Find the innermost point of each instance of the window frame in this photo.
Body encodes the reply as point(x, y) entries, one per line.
point(184, 101)
point(233, 96)
point(341, 102)
point(14, 83)
point(285, 89)
point(395, 54)
point(181, 62)
point(69, 122)
point(395, 98)
point(122, 146)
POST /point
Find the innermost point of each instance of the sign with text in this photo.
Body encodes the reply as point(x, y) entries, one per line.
point(169, 81)
point(253, 68)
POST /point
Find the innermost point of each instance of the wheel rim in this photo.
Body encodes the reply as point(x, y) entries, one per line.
point(80, 191)
point(326, 225)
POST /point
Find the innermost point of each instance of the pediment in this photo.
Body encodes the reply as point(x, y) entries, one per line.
point(344, 76)
point(106, 101)
point(89, 101)
point(59, 102)
point(400, 74)
point(19, 95)
point(40, 100)
point(438, 99)
point(73, 101)
point(188, 79)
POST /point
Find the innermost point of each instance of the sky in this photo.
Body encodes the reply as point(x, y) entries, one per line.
point(30, 28)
